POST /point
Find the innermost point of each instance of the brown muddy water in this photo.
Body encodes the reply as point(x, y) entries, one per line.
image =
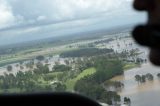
point(147, 94)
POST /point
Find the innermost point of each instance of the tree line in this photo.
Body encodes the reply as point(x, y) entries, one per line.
point(86, 52)
point(30, 81)
point(144, 78)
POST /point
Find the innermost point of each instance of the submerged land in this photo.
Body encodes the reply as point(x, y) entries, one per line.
point(86, 65)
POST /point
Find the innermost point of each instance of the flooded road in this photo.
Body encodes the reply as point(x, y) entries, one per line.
point(147, 94)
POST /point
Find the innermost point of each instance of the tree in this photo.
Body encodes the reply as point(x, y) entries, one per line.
point(138, 78)
point(9, 68)
point(61, 68)
point(107, 69)
point(30, 64)
point(127, 101)
point(40, 58)
point(21, 67)
point(110, 97)
point(158, 75)
point(29, 74)
point(12, 79)
point(66, 62)
point(39, 65)
point(31, 86)
point(118, 86)
point(139, 60)
point(95, 91)
point(45, 69)
point(60, 87)
point(149, 77)
point(57, 63)
point(86, 52)
point(143, 79)
point(17, 65)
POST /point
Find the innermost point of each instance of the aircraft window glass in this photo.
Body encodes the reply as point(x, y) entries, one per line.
point(79, 46)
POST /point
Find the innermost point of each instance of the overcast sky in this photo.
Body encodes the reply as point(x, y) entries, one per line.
point(23, 20)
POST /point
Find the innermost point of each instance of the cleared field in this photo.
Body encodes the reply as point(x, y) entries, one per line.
point(70, 83)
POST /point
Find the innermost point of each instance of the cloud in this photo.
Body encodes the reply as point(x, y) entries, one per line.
point(41, 18)
point(32, 19)
point(6, 16)
point(24, 12)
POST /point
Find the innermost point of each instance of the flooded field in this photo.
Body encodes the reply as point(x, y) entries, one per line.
point(146, 94)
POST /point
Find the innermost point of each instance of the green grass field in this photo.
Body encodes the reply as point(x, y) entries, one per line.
point(70, 83)
point(130, 66)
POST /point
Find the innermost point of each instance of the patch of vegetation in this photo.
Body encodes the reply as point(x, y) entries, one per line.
point(103, 41)
point(61, 68)
point(87, 52)
point(70, 83)
point(40, 58)
point(130, 66)
point(30, 81)
point(158, 75)
point(118, 86)
point(143, 78)
point(106, 69)
point(9, 68)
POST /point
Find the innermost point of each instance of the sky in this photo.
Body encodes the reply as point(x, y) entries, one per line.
point(25, 20)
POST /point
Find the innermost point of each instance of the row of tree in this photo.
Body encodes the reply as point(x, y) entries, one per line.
point(29, 81)
point(86, 52)
point(113, 85)
point(144, 78)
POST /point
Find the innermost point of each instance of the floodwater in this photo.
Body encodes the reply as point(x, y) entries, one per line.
point(147, 94)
